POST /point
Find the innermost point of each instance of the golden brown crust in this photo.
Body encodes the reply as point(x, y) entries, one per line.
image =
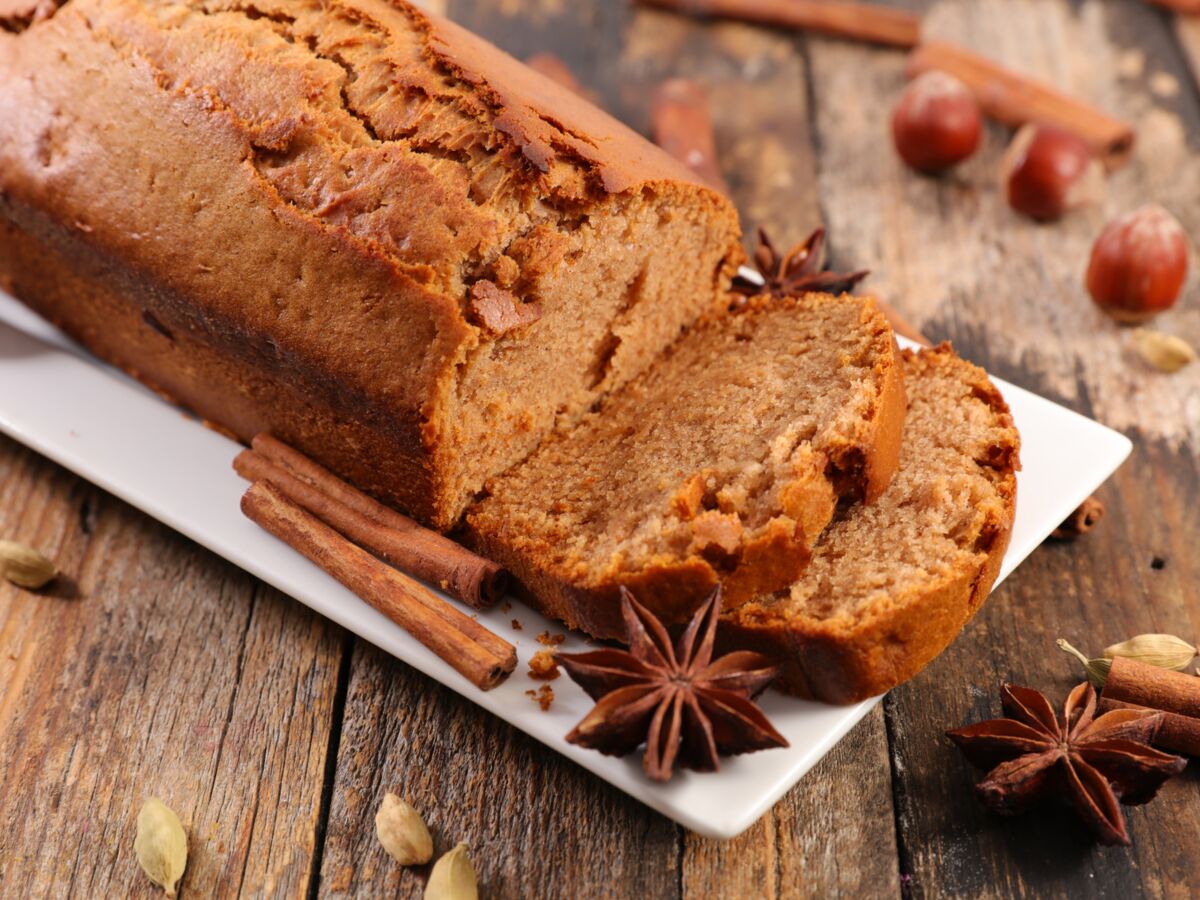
point(825, 660)
point(673, 586)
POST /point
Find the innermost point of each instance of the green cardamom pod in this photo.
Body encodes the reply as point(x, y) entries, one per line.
point(1163, 650)
point(24, 566)
point(452, 877)
point(402, 832)
point(161, 845)
point(1096, 669)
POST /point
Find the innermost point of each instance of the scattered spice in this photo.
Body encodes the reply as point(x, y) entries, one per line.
point(1176, 695)
point(685, 707)
point(1081, 521)
point(516, 625)
point(542, 665)
point(402, 832)
point(1164, 651)
point(161, 845)
point(1095, 669)
point(1165, 352)
point(506, 606)
point(395, 538)
point(24, 566)
point(453, 877)
point(868, 22)
point(795, 272)
point(478, 654)
point(546, 639)
point(543, 697)
point(1096, 763)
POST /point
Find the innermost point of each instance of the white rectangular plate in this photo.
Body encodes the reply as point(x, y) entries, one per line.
point(108, 429)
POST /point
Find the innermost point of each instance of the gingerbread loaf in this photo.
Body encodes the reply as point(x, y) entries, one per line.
point(722, 463)
point(890, 585)
point(344, 222)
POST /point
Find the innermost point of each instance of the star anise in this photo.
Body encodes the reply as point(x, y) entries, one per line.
point(795, 272)
point(686, 707)
point(1093, 761)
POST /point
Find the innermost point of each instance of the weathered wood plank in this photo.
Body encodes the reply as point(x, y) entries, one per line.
point(950, 254)
point(538, 825)
point(831, 835)
point(151, 669)
point(756, 82)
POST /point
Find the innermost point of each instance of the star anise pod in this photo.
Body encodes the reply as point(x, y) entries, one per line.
point(795, 272)
point(684, 706)
point(1093, 762)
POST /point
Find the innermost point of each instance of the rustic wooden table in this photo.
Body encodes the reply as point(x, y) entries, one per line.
point(158, 668)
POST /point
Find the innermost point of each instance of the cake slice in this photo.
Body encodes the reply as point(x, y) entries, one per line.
point(890, 585)
point(722, 463)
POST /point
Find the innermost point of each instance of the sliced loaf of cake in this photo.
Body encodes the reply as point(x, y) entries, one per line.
point(352, 225)
point(722, 463)
point(890, 585)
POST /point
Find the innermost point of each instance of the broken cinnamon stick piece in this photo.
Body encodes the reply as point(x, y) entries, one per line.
point(483, 658)
point(1014, 99)
point(1175, 694)
point(1081, 521)
point(856, 21)
point(401, 541)
point(681, 122)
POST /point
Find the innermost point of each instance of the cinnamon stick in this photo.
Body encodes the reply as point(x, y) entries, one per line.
point(1137, 684)
point(483, 658)
point(1014, 99)
point(1178, 733)
point(1081, 521)
point(856, 21)
point(404, 543)
point(681, 122)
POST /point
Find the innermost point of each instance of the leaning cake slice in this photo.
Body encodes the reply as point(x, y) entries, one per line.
point(890, 585)
point(721, 464)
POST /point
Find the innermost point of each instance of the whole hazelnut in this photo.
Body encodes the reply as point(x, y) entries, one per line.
point(1048, 170)
point(1138, 264)
point(936, 123)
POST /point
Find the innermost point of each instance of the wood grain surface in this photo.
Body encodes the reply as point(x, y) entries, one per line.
point(154, 668)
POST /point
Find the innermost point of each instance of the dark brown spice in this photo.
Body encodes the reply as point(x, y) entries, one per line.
point(1081, 521)
point(1096, 763)
point(796, 272)
point(685, 707)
